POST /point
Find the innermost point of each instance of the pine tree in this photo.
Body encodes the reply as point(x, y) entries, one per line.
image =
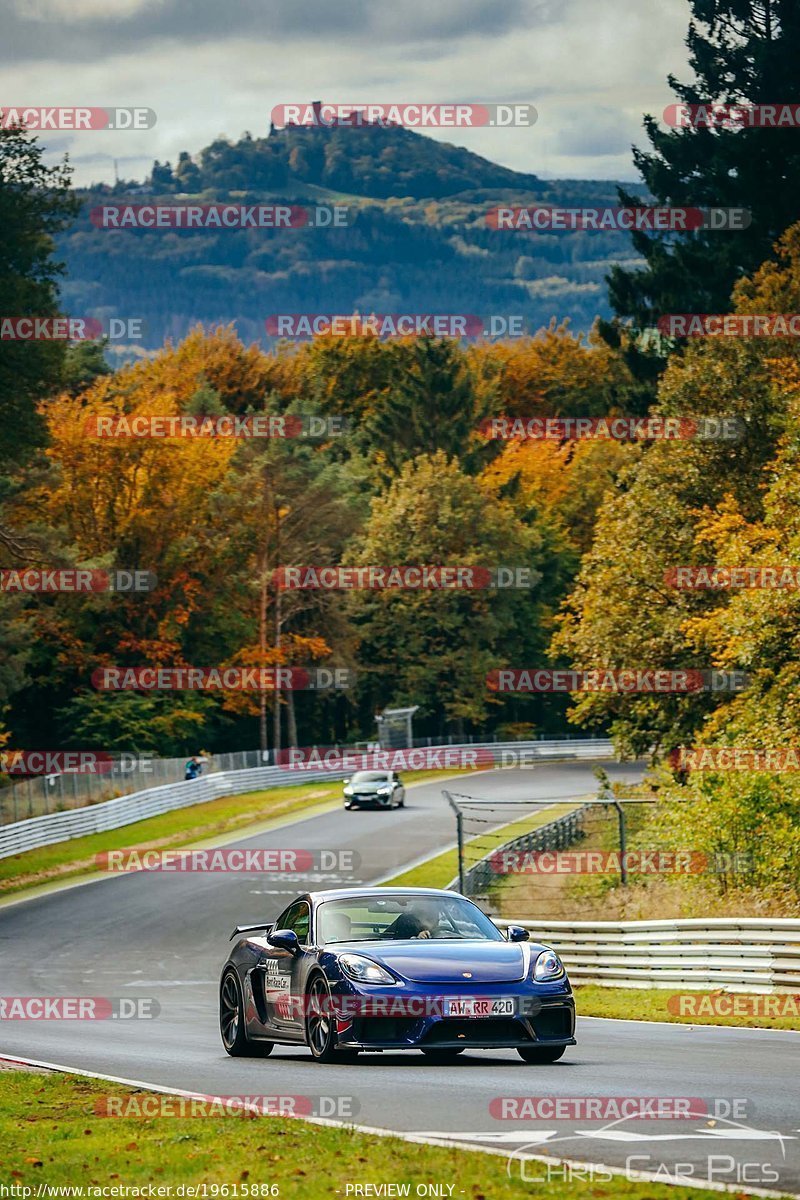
point(742, 52)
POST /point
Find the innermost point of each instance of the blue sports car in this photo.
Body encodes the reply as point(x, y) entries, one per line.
point(392, 969)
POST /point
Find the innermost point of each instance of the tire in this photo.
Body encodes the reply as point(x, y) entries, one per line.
point(231, 1021)
point(540, 1054)
point(442, 1057)
point(401, 803)
point(321, 1030)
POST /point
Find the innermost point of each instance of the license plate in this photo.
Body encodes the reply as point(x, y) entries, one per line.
point(472, 1006)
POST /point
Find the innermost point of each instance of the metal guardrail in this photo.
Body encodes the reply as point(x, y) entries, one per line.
point(555, 835)
point(36, 796)
point(19, 836)
point(742, 954)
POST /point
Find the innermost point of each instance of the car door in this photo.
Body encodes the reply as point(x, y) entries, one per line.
point(284, 974)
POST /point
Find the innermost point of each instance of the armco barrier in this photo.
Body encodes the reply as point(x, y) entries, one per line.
point(19, 836)
point(36, 796)
point(741, 954)
point(555, 835)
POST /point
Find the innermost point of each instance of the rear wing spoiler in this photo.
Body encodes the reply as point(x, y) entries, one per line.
point(240, 929)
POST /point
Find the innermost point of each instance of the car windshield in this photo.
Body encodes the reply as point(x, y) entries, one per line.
point(371, 777)
point(393, 918)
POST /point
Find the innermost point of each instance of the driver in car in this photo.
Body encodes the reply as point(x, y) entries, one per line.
point(421, 922)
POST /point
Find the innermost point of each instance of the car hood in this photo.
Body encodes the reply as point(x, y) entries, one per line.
point(365, 789)
point(433, 961)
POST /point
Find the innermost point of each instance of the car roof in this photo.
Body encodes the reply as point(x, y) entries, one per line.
point(357, 893)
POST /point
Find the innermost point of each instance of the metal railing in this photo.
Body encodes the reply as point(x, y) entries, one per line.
point(742, 954)
point(555, 835)
point(19, 836)
point(56, 793)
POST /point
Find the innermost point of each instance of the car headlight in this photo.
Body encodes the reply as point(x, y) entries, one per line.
point(384, 791)
point(364, 970)
point(348, 791)
point(548, 966)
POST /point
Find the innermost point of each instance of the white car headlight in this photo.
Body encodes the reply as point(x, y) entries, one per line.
point(548, 966)
point(364, 970)
point(384, 791)
point(348, 791)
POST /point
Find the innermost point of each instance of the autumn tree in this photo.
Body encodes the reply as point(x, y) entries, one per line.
point(622, 612)
point(435, 647)
point(289, 502)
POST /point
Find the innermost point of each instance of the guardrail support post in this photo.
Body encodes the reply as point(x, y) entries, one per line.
point(460, 838)
point(623, 866)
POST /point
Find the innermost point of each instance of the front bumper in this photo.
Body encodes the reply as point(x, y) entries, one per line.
point(540, 1020)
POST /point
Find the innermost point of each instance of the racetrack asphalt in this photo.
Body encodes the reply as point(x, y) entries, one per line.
point(165, 936)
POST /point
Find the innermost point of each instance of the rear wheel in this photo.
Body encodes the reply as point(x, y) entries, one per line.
point(540, 1054)
point(442, 1056)
point(231, 1020)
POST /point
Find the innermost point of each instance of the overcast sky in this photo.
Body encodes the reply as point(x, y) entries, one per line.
point(591, 68)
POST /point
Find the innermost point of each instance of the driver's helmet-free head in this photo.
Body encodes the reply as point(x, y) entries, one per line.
point(427, 912)
point(407, 925)
point(339, 927)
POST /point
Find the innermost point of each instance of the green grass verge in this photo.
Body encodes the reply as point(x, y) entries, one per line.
point(437, 872)
point(181, 827)
point(50, 1134)
point(651, 1004)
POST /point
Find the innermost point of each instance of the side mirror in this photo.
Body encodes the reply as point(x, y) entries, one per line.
point(284, 939)
point(516, 933)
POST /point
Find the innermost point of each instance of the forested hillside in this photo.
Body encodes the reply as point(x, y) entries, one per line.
point(419, 240)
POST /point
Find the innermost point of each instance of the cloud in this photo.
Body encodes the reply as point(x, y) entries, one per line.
point(591, 68)
point(83, 30)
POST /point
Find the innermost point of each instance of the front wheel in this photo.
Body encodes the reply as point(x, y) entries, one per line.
point(320, 1025)
point(540, 1054)
point(442, 1057)
point(231, 1021)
